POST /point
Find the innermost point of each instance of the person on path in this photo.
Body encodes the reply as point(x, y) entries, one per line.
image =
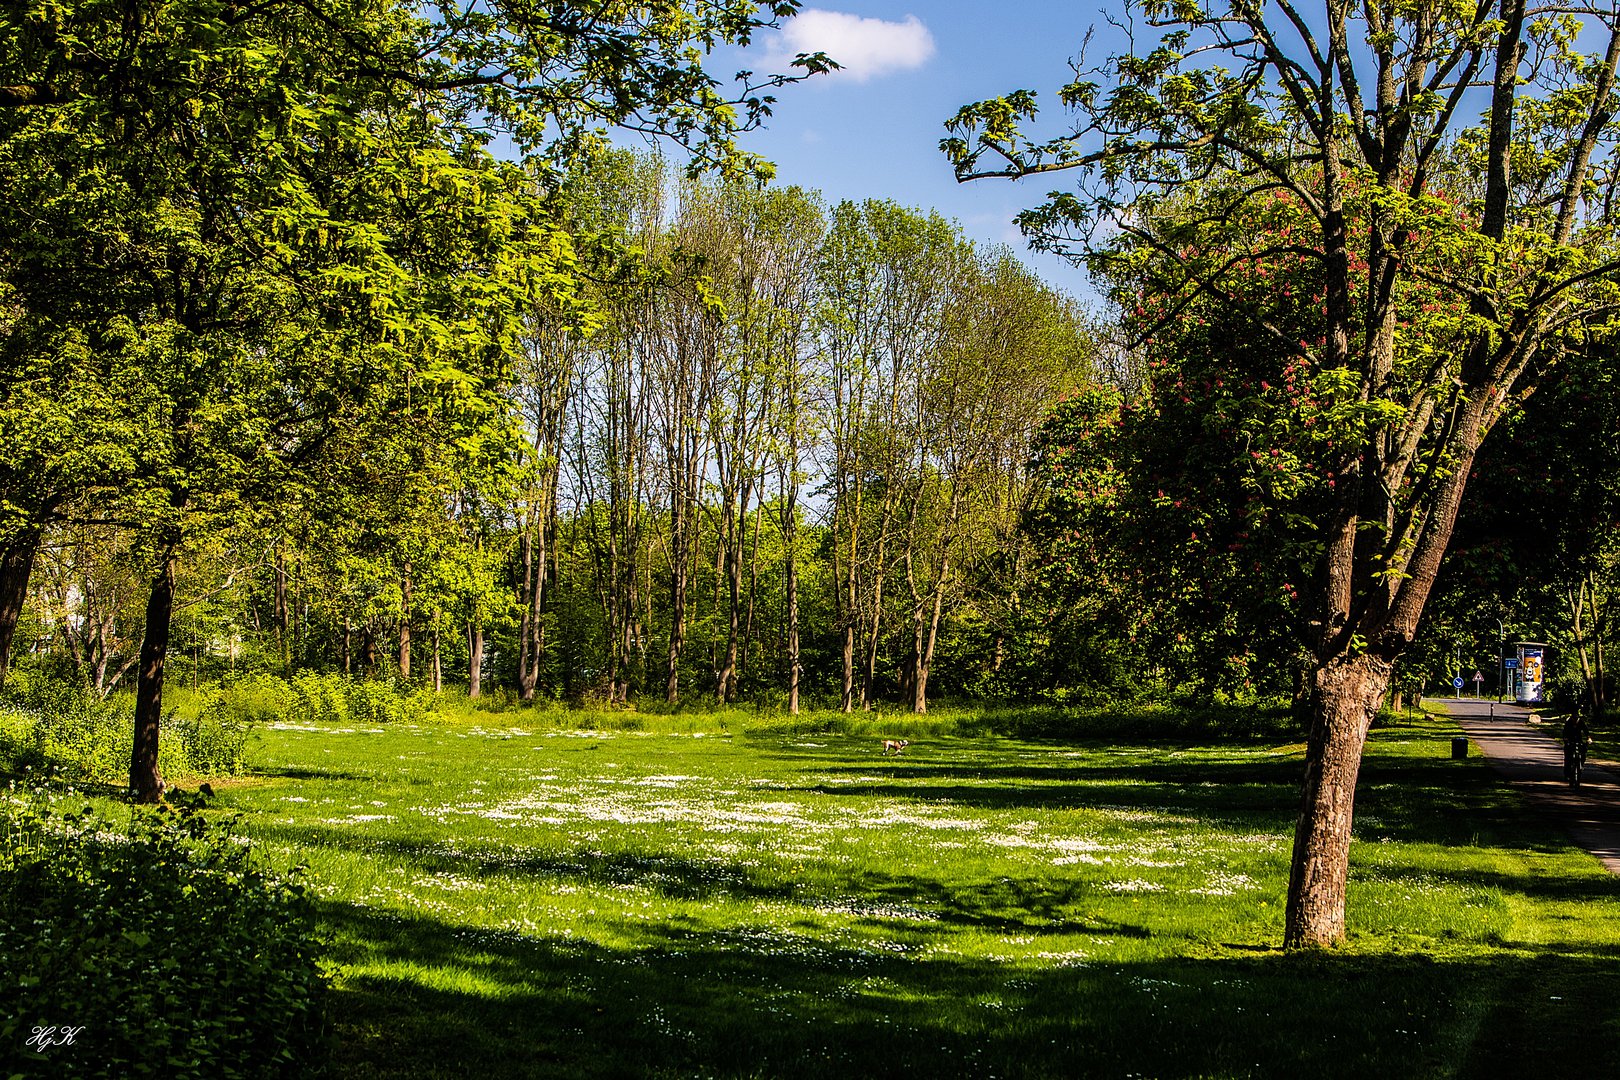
point(1577, 739)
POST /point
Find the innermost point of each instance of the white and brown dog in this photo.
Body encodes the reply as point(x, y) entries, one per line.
point(894, 746)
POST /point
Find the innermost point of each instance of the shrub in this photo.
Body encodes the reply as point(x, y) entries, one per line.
point(62, 728)
point(212, 742)
point(386, 702)
point(163, 939)
point(336, 699)
point(210, 737)
point(257, 698)
point(319, 698)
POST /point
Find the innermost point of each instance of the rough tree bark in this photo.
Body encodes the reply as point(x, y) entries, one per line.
point(438, 663)
point(531, 588)
point(790, 532)
point(1351, 689)
point(279, 607)
point(475, 659)
point(405, 624)
point(16, 566)
point(145, 781)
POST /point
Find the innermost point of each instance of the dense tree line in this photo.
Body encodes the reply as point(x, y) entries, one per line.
point(773, 450)
point(255, 254)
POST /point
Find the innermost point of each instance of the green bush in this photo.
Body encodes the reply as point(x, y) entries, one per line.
point(213, 741)
point(257, 698)
point(386, 702)
point(210, 735)
point(337, 699)
point(64, 729)
point(319, 698)
point(161, 942)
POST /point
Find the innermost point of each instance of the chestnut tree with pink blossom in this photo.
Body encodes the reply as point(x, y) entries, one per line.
point(1354, 234)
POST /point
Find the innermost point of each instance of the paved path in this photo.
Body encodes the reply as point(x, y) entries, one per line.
point(1531, 756)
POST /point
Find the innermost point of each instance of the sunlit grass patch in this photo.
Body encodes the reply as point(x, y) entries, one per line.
point(516, 897)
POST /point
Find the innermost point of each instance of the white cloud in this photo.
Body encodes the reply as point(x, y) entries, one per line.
point(865, 48)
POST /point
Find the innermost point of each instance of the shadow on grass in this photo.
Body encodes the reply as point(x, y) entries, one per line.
point(281, 772)
point(687, 879)
point(1031, 907)
point(428, 999)
point(1399, 797)
point(1552, 888)
point(1214, 788)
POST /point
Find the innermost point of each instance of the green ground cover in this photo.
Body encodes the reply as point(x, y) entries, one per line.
point(519, 899)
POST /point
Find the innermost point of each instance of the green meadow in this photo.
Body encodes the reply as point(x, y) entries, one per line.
point(694, 896)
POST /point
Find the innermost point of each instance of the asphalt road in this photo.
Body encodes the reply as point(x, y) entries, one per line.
point(1531, 757)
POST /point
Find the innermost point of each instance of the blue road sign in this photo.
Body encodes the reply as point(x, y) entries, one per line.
point(1511, 662)
point(1457, 682)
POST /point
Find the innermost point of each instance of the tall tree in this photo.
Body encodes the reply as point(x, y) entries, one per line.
point(96, 81)
point(1011, 348)
point(1353, 112)
point(888, 275)
point(685, 363)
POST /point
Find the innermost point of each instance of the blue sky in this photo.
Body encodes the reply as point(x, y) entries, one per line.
point(872, 131)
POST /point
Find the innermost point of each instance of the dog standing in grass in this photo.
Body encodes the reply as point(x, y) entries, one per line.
point(894, 746)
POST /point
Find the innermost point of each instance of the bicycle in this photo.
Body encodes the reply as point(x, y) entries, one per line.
point(1574, 762)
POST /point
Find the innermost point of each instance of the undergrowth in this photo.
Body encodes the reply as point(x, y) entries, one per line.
point(149, 944)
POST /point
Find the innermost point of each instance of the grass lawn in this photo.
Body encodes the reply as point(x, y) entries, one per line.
point(532, 901)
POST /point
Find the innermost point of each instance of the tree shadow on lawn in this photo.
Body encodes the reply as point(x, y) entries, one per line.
point(311, 772)
point(1040, 907)
point(1450, 803)
point(686, 879)
point(1415, 801)
point(423, 998)
point(1553, 888)
point(1171, 787)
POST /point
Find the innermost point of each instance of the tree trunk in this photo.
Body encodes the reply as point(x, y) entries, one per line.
point(726, 680)
point(16, 565)
point(847, 701)
point(405, 625)
point(1596, 630)
point(795, 664)
point(475, 659)
point(1348, 691)
point(279, 610)
point(145, 781)
point(869, 668)
point(1299, 704)
point(914, 665)
point(1577, 611)
point(1599, 631)
point(744, 659)
point(677, 620)
point(438, 662)
point(847, 596)
point(925, 659)
point(529, 598)
point(879, 575)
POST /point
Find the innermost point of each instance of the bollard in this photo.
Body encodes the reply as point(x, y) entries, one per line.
point(1459, 748)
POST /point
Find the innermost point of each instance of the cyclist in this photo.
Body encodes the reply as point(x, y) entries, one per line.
point(1577, 738)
